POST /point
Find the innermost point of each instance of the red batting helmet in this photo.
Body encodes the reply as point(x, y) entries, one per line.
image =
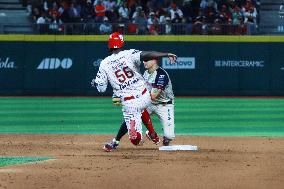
point(115, 41)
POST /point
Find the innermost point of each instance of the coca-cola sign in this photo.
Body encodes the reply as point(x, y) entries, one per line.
point(5, 63)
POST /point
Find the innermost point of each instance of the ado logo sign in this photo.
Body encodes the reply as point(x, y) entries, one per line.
point(55, 63)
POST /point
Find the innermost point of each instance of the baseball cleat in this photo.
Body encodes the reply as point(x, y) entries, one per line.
point(153, 137)
point(111, 145)
point(166, 141)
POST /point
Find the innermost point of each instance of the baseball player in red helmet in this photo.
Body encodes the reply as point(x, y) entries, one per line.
point(121, 70)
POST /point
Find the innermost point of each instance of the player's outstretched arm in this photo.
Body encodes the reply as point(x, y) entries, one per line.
point(150, 55)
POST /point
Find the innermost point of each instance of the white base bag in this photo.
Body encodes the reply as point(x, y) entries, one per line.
point(178, 147)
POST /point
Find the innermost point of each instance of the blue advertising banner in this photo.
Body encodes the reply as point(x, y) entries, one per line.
point(203, 68)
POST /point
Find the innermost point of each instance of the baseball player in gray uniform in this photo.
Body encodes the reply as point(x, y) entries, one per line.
point(162, 96)
point(121, 70)
point(161, 92)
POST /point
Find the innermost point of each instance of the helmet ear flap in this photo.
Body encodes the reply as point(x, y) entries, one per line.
point(115, 41)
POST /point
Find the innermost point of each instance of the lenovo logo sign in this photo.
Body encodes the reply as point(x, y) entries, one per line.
point(55, 63)
point(181, 63)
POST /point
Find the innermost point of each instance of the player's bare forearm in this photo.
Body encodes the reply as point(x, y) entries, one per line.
point(150, 55)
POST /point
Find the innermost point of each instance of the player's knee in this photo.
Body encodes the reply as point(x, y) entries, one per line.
point(137, 140)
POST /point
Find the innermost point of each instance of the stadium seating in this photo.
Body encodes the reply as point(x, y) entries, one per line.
point(272, 17)
point(14, 18)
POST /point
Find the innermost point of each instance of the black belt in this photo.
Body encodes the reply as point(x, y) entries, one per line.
point(164, 103)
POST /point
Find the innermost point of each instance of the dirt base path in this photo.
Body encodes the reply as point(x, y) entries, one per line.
point(220, 162)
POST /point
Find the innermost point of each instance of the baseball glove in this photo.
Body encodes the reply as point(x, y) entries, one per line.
point(116, 100)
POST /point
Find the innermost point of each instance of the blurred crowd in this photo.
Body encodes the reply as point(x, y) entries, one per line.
point(217, 17)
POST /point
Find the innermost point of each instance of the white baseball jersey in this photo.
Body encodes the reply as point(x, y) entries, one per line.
point(123, 72)
point(160, 79)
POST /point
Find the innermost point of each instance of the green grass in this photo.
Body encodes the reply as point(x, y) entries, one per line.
point(5, 161)
point(193, 116)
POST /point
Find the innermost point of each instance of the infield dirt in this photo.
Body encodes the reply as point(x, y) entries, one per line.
point(79, 162)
